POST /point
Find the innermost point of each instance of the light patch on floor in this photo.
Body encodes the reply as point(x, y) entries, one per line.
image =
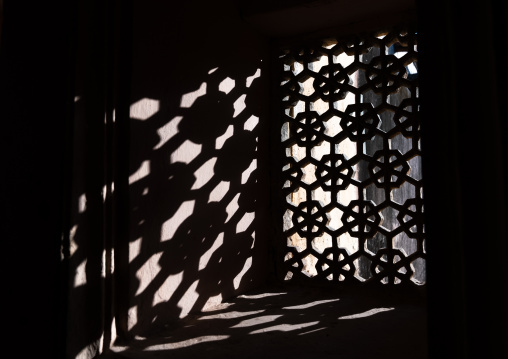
point(367, 313)
point(312, 304)
point(256, 321)
point(259, 296)
point(284, 327)
point(229, 315)
point(188, 342)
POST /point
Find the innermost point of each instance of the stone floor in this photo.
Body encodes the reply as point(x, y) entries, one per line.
point(281, 322)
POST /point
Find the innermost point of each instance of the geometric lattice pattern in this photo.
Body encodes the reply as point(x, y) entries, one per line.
point(351, 172)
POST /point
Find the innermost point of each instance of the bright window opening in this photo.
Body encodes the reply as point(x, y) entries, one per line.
point(351, 152)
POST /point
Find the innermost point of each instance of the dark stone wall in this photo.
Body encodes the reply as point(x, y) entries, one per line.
point(34, 68)
point(463, 90)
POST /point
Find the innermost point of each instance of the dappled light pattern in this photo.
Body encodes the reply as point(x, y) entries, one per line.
point(351, 160)
point(292, 323)
point(193, 197)
point(144, 109)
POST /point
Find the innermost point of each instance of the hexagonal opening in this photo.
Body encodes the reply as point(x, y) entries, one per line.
point(309, 175)
point(334, 216)
point(375, 244)
point(405, 244)
point(419, 269)
point(309, 265)
point(362, 265)
point(319, 244)
point(319, 106)
point(297, 242)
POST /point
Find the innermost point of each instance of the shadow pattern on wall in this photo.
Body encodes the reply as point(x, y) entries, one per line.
point(194, 190)
point(170, 204)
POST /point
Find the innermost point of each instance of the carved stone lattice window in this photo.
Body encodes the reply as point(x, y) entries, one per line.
point(351, 170)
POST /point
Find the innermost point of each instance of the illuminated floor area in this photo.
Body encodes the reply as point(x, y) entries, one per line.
point(294, 323)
